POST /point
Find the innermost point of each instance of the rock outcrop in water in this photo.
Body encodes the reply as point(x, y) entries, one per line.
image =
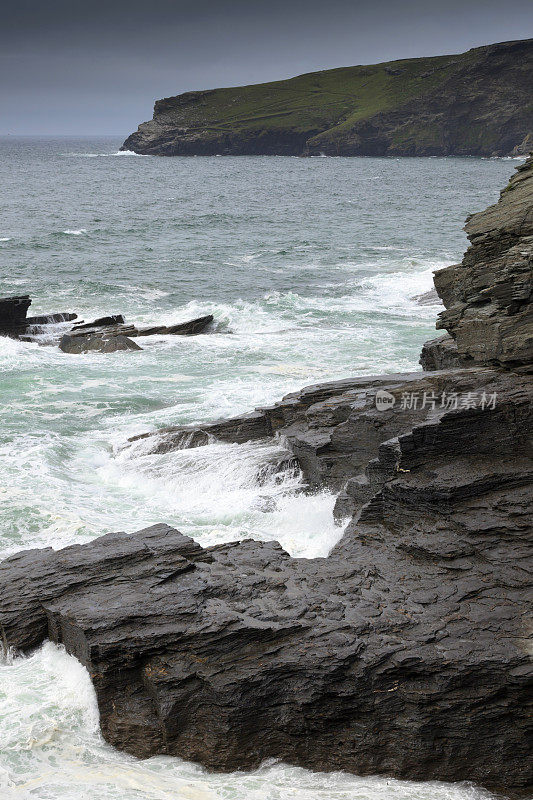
point(405, 652)
point(476, 103)
point(110, 334)
point(103, 335)
point(13, 312)
point(96, 343)
point(15, 323)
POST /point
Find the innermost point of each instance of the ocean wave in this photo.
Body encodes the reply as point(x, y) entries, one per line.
point(503, 158)
point(389, 293)
point(5, 238)
point(75, 231)
point(106, 155)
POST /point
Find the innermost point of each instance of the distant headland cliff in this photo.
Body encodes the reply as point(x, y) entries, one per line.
point(477, 103)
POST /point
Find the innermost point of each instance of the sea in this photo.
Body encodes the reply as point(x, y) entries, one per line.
point(311, 268)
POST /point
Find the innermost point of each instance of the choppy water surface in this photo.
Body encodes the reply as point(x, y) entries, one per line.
point(309, 267)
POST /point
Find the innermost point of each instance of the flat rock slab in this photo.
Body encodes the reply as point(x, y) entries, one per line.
point(95, 343)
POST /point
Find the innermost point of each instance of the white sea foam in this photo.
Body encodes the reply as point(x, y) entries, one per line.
point(5, 238)
point(106, 155)
point(75, 231)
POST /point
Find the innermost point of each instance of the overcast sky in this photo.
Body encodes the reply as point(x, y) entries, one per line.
point(70, 67)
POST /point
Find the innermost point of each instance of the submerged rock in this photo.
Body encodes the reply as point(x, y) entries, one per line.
point(96, 343)
point(429, 298)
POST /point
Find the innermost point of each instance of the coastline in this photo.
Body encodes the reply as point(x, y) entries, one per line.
point(391, 502)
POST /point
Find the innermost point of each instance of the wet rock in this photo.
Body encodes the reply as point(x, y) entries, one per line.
point(321, 424)
point(115, 326)
point(94, 343)
point(13, 313)
point(429, 298)
point(51, 319)
point(441, 353)
point(404, 652)
point(190, 328)
point(245, 428)
point(107, 331)
point(101, 322)
point(489, 296)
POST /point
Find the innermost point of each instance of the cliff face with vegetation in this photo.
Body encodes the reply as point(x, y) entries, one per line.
point(477, 103)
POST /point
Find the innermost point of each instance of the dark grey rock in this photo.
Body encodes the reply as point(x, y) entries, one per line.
point(51, 319)
point(96, 343)
point(190, 328)
point(488, 297)
point(101, 322)
point(13, 313)
point(441, 353)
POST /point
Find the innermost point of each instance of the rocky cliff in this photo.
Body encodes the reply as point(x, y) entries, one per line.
point(488, 297)
point(405, 652)
point(476, 103)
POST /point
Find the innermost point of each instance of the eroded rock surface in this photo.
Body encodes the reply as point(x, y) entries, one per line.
point(441, 353)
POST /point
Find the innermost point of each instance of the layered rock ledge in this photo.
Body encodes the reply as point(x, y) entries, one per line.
point(405, 652)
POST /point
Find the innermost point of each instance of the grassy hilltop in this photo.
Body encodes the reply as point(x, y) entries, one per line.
point(477, 103)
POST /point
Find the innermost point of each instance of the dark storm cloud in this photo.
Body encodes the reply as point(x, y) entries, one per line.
point(71, 67)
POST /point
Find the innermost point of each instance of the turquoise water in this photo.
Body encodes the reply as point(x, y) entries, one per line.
point(309, 267)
